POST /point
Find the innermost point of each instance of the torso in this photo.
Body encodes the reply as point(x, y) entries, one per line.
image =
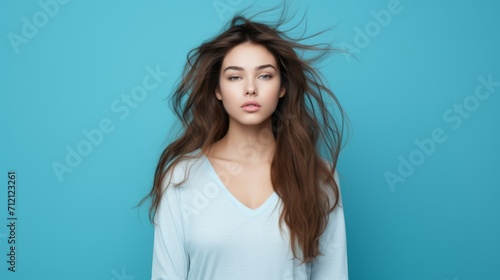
point(250, 183)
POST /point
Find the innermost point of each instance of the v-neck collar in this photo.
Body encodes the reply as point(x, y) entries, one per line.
point(271, 200)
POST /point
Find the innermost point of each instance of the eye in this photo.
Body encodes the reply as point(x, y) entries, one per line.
point(234, 78)
point(265, 76)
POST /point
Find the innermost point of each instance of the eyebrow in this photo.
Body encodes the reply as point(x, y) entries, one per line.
point(256, 68)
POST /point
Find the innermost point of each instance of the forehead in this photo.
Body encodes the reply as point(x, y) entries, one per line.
point(250, 55)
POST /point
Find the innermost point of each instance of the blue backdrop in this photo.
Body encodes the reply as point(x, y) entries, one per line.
point(84, 119)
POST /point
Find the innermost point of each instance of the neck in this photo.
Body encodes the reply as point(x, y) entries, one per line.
point(249, 143)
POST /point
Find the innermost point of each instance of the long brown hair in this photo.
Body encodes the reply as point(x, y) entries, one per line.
point(301, 124)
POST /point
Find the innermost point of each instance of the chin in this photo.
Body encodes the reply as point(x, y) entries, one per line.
point(259, 122)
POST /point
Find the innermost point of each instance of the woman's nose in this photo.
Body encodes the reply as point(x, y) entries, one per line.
point(250, 87)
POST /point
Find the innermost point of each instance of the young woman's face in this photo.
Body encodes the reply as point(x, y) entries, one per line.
point(249, 73)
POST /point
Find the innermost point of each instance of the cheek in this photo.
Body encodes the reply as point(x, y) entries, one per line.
point(273, 89)
point(229, 95)
point(228, 89)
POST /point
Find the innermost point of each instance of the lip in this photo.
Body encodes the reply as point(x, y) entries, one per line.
point(250, 106)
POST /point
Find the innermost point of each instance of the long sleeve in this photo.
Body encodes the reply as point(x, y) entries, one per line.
point(333, 264)
point(170, 260)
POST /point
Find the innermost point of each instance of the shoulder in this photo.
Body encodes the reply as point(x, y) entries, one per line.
point(335, 174)
point(183, 169)
point(330, 189)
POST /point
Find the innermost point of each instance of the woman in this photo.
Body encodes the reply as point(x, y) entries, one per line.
point(243, 193)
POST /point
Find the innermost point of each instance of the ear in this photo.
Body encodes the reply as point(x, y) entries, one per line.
point(217, 93)
point(282, 91)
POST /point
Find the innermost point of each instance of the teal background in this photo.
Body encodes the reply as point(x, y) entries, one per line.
point(440, 223)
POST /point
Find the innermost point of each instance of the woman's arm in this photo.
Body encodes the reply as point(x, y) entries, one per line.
point(170, 260)
point(332, 265)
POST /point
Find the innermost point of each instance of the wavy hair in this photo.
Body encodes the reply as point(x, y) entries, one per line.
point(301, 125)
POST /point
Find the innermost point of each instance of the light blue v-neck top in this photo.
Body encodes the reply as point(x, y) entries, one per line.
point(203, 232)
